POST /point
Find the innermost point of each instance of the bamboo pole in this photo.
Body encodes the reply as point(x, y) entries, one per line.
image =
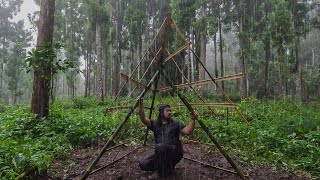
point(226, 105)
point(22, 175)
point(112, 137)
point(109, 164)
point(177, 52)
point(136, 82)
point(202, 82)
point(207, 164)
point(205, 128)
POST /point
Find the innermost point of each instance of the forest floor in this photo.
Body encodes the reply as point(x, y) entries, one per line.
point(128, 168)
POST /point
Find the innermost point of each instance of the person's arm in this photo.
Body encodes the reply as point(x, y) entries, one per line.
point(190, 127)
point(143, 118)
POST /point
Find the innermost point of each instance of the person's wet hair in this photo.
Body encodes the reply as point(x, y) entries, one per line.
point(161, 109)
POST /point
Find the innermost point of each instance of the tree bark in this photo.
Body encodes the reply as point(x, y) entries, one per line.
point(41, 86)
point(117, 60)
point(1, 78)
point(243, 81)
point(267, 50)
point(203, 47)
point(192, 56)
point(99, 53)
point(221, 50)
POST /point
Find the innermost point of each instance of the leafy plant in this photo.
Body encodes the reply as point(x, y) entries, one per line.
point(43, 60)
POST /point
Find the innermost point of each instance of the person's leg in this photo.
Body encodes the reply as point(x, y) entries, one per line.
point(163, 154)
point(177, 156)
point(148, 163)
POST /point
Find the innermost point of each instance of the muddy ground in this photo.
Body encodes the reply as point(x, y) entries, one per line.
point(128, 168)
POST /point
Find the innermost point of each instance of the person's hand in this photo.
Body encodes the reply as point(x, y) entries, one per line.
point(194, 115)
point(140, 101)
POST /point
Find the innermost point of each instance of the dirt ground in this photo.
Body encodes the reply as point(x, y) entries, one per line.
point(128, 168)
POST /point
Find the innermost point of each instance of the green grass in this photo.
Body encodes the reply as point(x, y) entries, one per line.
point(284, 135)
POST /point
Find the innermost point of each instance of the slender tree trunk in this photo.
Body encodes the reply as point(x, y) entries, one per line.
point(90, 64)
point(243, 81)
point(189, 59)
point(86, 74)
point(1, 78)
point(280, 58)
point(192, 56)
point(106, 69)
point(14, 97)
point(221, 49)
point(139, 52)
point(117, 60)
point(203, 47)
point(99, 53)
point(297, 72)
point(41, 86)
point(86, 86)
point(216, 72)
point(165, 9)
point(2, 68)
point(267, 49)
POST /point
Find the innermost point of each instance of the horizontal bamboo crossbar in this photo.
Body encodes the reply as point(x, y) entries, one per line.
point(178, 105)
point(135, 82)
point(203, 82)
point(206, 105)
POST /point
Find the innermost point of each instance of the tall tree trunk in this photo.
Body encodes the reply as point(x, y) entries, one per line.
point(203, 42)
point(87, 67)
point(1, 77)
point(99, 53)
point(203, 47)
point(192, 57)
point(281, 57)
point(164, 10)
point(221, 49)
point(267, 49)
point(41, 85)
point(117, 60)
point(107, 70)
point(216, 72)
point(139, 52)
point(297, 71)
point(2, 67)
point(243, 81)
point(90, 63)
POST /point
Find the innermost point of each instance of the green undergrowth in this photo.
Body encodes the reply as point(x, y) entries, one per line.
point(285, 135)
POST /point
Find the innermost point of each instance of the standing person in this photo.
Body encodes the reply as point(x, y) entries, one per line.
point(168, 148)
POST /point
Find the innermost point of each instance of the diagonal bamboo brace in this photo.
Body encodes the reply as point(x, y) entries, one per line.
point(112, 137)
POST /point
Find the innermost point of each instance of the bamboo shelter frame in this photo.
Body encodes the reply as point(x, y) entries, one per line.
point(161, 61)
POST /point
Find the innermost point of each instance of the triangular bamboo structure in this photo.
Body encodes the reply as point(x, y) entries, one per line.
point(161, 61)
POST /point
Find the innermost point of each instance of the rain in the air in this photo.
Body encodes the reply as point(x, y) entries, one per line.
point(160, 89)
